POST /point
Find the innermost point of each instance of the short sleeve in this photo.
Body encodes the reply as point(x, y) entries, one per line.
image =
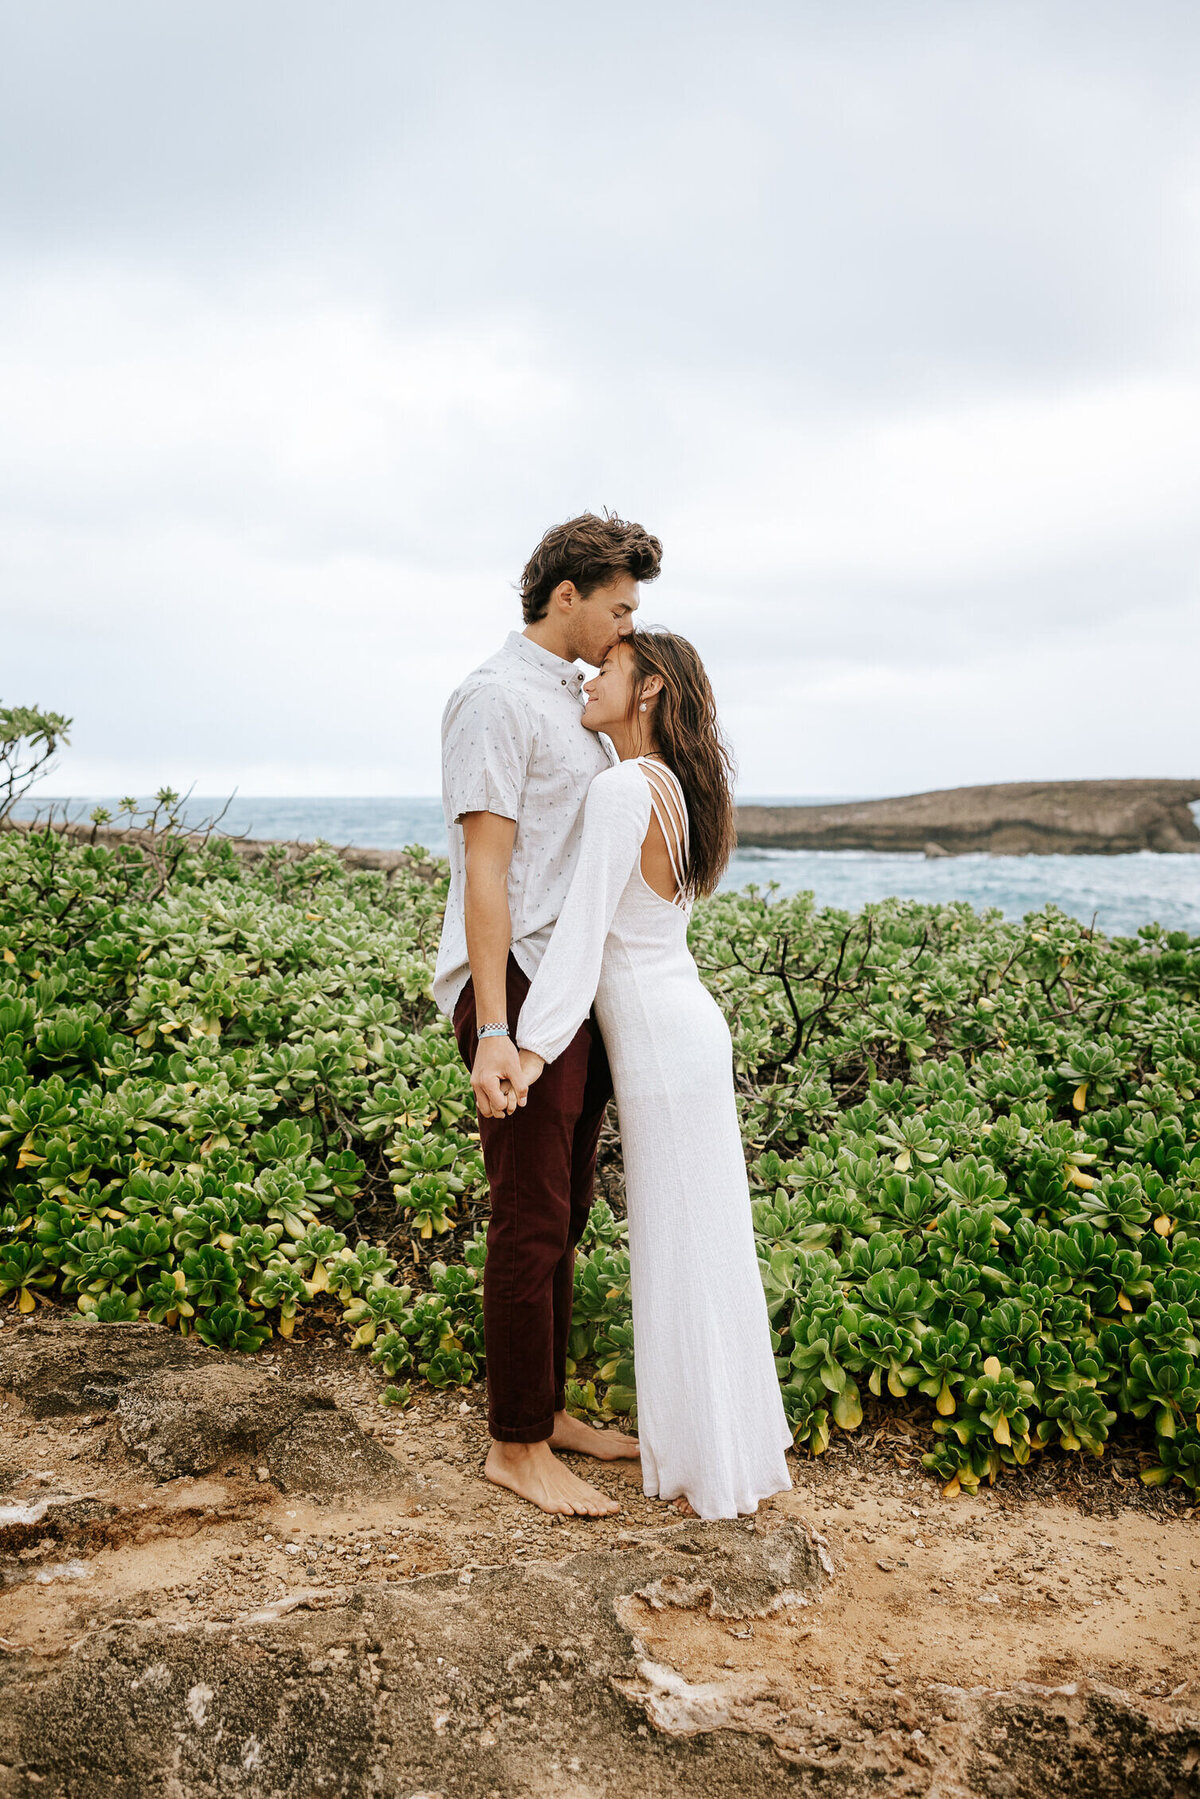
point(487, 742)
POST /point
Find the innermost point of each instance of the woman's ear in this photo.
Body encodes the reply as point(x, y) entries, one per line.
point(654, 685)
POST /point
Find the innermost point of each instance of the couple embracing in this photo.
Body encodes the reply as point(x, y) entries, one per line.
point(579, 834)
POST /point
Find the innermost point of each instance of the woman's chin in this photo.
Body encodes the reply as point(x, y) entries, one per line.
point(590, 724)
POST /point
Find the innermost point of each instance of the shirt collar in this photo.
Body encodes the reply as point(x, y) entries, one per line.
point(565, 673)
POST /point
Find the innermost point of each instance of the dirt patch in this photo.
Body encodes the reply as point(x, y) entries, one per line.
point(225, 1633)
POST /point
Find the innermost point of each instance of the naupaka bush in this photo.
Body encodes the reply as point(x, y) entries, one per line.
point(974, 1146)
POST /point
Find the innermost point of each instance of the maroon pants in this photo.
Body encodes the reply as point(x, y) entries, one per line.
point(540, 1163)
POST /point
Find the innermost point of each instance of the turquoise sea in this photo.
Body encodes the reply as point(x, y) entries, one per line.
point(1119, 892)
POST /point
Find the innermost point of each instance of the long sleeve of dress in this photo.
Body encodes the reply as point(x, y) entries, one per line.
point(616, 817)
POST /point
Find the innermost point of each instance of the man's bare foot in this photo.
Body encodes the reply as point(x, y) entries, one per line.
point(533, 1472)
point(684, 1507)
point(578, 1438)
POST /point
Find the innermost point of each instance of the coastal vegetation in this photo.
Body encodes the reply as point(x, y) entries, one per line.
point(228, 1104)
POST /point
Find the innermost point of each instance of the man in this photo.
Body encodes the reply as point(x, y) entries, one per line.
point(517, 764)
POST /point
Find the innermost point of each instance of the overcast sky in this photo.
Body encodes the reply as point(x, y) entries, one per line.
point(883, 315)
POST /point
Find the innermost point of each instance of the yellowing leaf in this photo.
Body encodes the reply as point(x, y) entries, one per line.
point(904, 1160)
point(952, 1489)
point(847, 1407)
point(1079, 1179)
point(26, 1302)
point(1164, 1225)
point(992, 1367)
point(1125, 1303)
point(1079, 1097)
point(945, 1400)
point(1001, 1431)
point(8, 956)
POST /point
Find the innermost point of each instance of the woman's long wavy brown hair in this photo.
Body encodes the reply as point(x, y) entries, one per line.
point(689, 737)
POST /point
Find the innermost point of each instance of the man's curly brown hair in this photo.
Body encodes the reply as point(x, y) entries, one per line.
point(591, 551)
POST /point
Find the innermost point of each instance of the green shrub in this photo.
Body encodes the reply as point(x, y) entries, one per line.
point(974, 1146)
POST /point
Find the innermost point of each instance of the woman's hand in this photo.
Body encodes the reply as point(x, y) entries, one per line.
point(531, 1066)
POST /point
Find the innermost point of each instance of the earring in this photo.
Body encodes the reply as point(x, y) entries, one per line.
point(643, 707)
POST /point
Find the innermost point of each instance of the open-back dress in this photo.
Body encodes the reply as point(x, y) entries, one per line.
point(710, 1415)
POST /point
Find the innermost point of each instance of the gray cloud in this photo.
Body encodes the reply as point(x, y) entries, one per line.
point(313, 317)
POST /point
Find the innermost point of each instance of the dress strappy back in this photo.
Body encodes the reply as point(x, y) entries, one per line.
point(670, 809)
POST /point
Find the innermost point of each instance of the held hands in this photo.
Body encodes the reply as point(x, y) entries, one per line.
point(502, 1076)
point(497, 1079)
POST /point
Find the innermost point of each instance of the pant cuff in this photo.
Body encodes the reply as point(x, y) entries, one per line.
point(521, 1433)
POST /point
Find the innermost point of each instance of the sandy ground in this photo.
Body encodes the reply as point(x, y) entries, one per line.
point(994, 1590)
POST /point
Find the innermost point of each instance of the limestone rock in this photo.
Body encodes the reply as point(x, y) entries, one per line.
point(62, 1366)
point(183, 1409)
point(191, 1420)
point(1016, 818)
point(530, 1680)
point(326, 1453)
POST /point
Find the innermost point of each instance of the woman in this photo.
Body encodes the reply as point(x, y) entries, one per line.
point(658, 830)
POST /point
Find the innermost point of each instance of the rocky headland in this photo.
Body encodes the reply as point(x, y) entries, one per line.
point(1015, 818)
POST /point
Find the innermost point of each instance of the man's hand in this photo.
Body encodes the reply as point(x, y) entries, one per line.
point(531, 1066)
point(497, 1078)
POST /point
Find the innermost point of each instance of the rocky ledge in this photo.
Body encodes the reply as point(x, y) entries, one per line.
point(1017, 818)
point(222, 1576)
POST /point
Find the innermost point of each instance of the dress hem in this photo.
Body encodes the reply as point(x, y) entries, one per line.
point(742, 1511)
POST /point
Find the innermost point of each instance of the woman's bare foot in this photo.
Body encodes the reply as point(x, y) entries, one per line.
point(533, 1472)
point(684, 1507)
point(578, 1438)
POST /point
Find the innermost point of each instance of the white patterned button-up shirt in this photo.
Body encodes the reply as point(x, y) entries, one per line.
point(513, 743)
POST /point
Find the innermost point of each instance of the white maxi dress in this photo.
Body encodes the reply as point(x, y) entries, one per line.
point(710, 1415)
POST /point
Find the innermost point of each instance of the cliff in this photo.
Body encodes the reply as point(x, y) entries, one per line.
point(1106, 818)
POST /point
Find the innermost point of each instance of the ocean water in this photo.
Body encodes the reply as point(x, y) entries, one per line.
point(1119, 892)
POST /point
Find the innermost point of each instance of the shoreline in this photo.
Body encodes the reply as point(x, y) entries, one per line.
point(1020, 819)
